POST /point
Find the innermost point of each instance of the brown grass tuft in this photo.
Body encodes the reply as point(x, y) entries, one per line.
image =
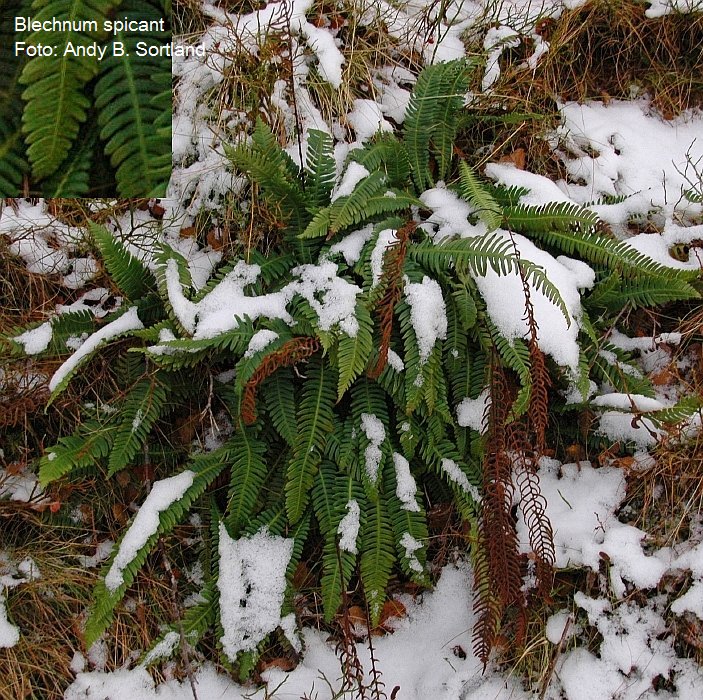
point(603, 50)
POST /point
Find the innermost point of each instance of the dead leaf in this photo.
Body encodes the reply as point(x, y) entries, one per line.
point(517, 158)
point(157, 211)
point(214, 239)
point(391, 609)
point(663, 378)
point(357, 616)
point(15, 468)
point(282, 663)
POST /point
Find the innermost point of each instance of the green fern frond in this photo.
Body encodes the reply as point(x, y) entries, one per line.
point(55, 98)
point(476, 252)
point(320, 168)
point(65, 329)
point(247, 365)
point(434, 385)
point(315, 421)
point(615, 294)
point(248, 472)
point(611, 364)
point(458, 362)
point(141, 409)
point(186, 352)
point(464, 482)
point(515, 354)
point(162, 102)
point(593, 247)
point(72, 178)
point(193, 625)
point(431, 118)
point(368, 404)
point(119, 324)
point(413, 373)
point(349, 209)
point(330, 496)
point(480, 252)
point(353, 352)
point(506, 196)
point(132, 277)
point(377, 554)
point(538, 278)
point(682, 411)
point(206, 468)
point(13, 162)
point(126, 113)
point(319, 225)
point(480, 198)
point(342, 446)
point(409, 529)
point(267, 164)
point(388, 155)
point(554, 216)
point(86, 447)
point(462, 299)
point(278, 392)
point(273, 268)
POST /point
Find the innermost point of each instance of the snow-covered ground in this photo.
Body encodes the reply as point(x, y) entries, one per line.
point(428, 654)
point(618, 149)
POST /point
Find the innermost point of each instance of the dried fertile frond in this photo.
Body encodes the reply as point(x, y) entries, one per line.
point(392, 281)
point(291, 353)
point(499, 579)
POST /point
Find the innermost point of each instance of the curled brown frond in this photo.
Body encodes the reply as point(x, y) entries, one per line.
point(392, 284)
point(534, 507)
point(498, 578)
point(292, 352)
point(539, 401)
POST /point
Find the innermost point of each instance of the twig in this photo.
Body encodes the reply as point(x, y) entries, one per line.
point(553, 661)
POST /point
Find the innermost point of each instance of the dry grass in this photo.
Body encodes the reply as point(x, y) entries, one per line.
point(24, 296)
point(50, 611)
point(668, 496)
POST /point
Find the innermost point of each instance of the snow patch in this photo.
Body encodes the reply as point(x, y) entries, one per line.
point(252, 583)
point(349, 528)
point(428, 314)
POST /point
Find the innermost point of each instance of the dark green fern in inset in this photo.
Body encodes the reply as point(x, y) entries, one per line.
point(13, 161)
point(53, 107)
point(127, 100)
point(55, 97)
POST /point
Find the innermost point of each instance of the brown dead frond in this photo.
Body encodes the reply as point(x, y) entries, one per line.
point(392, 285)
point(294, 351)
point(497, 567)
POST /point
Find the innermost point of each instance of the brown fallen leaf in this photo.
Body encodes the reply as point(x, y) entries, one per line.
point(282, 663)
point(517, 158)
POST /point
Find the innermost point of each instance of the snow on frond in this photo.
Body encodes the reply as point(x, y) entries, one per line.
point(146, 523)
point(252, 583)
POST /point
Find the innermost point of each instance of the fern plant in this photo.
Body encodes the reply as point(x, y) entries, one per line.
point(333, 374)
point(67, 114)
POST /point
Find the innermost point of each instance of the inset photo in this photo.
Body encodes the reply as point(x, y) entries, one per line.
point(85, 98)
